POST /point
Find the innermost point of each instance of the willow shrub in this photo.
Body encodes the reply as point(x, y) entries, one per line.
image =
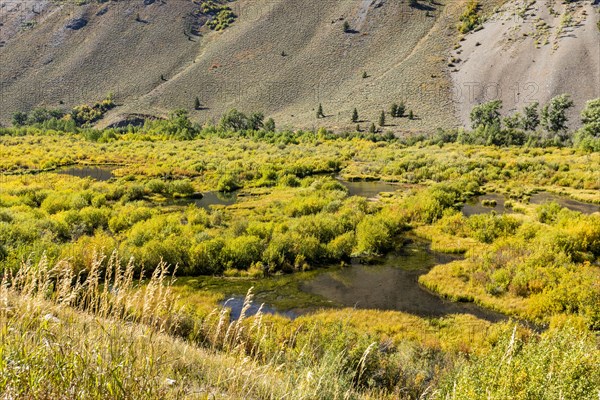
point(559, 364)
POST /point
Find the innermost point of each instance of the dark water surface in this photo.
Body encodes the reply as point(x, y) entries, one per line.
point(368, 189)
point(362, 188)
point(566, 202)
point(475, 206)
point(211, 198)
point(236, 303)
point(392, 285)
point(389, 284)
point(95, 172)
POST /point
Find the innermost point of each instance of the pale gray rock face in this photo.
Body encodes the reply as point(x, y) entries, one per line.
point(530, 51)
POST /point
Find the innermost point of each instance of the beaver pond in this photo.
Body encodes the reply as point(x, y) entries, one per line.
point(384, 283)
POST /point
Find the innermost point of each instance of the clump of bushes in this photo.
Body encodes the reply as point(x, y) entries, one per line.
point(489, 203)
point(57, 119)
point(470, 19)
point(220, 15)
point(514, 355)
point(488, 227)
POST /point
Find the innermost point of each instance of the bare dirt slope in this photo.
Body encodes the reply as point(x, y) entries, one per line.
point(531, 51)
point(284, 57)
point(281, 57)
point(65, 55)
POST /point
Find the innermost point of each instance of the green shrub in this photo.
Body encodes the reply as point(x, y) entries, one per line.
point(341, 246)
point(518, 368)
point(157, 186)
point(469, 20)
point(56, 202)
point(206, 258)
point(228, 183)
point(306, 205)
point(134, 192)
point(547, 213)
point(488, 227)
point(128, 216)
point(373, 236)
point(180, 188)
point(241, 252)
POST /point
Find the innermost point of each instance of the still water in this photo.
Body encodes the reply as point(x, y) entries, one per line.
point(389, 283)
point(98, 173)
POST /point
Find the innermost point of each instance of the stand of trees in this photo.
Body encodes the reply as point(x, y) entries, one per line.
point(545, 126)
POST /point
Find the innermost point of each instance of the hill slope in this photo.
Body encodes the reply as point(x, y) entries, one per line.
point(531, 51)
point(397, 45)
point(280, 57)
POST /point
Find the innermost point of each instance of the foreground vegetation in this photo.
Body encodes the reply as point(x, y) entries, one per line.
point(130, 340)
point(536, 263)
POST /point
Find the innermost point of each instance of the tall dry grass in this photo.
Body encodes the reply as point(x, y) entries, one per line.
point(107, 334)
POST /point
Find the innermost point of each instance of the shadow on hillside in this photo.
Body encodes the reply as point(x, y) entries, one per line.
point(422, 7)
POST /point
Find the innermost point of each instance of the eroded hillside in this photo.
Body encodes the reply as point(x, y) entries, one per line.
point(284, 58)
point(530, 51)
point(280, 57)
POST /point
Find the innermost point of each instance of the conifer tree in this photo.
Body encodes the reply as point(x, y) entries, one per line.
point(401, 109)
point(320, 113)
point(355, 115)
point(382, 118)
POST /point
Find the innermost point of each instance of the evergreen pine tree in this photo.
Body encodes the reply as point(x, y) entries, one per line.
point(365, 75)
point(320, 113)
point(355, 115)
point(346, 26)
point(372, 128)
point(531, 118)
point(197, 104)
point(401, 109)
point(382, 118)
point(411, 115)
point(394, 110)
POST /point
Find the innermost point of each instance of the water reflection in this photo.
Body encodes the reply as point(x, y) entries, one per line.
point(368, 189)
point(210, 199)
point(392, 285)
point(98, 173)
point(545, 197)
point(236, 304)
point(475, 205)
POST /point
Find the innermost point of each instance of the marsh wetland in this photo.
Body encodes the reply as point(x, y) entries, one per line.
point(269, 245)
